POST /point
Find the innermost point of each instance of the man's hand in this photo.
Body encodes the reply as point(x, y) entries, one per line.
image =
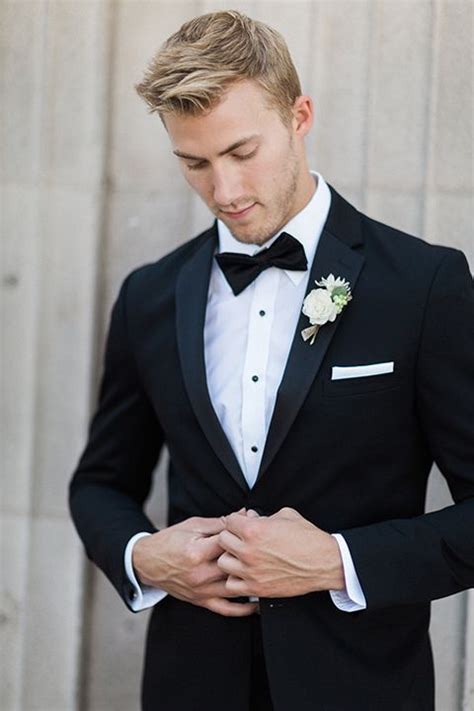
point(278, 556)
point(182, 559)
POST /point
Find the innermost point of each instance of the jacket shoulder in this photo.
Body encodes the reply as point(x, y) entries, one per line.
point(404, 248)
point(388, 248)
point(408, 257)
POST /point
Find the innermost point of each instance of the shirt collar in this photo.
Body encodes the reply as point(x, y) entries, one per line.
point(306, 226)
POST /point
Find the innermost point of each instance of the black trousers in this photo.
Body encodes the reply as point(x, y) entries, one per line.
point(260, 699)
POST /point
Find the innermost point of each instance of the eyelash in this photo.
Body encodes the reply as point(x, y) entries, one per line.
point(198, 166)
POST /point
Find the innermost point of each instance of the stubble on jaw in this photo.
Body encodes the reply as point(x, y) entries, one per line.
point(281, 211)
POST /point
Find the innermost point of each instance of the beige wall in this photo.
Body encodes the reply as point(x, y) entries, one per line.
point(90, 190)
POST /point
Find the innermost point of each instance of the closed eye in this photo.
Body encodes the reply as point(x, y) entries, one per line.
point(246, 156)
point(202, 164)
point(195, 166)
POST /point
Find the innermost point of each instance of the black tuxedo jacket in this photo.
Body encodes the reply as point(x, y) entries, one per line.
point(352, 456)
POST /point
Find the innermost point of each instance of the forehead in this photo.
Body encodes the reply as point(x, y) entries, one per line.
point(243, 110)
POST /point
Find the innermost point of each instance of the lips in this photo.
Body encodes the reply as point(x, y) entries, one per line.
point(241, 213)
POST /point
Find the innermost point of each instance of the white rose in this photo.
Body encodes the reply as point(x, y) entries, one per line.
point(319, 307)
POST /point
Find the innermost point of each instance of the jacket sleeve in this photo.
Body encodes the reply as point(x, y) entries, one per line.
point(431, 556)
point(114, 473)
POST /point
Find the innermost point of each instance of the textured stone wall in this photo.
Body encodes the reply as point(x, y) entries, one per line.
point(90, 190)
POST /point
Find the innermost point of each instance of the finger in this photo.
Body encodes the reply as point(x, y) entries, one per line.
point(237, 587)
point(207, 573)
point(252, 513)
point(240, 512)
point(230, 565)
point(231, 543)
point(237, 524)
point(210, 546)
point(205, 526)
point(231, 609)
point(287, 512)
point(215, 589)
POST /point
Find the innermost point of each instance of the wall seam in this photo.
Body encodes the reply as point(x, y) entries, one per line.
point(98, 332)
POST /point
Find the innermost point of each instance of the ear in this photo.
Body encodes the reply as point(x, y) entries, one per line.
point(303, 112)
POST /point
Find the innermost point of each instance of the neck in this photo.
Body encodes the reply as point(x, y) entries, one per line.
point(308, 188)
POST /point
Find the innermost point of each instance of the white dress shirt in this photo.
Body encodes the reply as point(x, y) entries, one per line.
point(247, 339)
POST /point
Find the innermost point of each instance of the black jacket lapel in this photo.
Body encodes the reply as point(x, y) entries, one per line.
point(191, 300)
point(334, 254)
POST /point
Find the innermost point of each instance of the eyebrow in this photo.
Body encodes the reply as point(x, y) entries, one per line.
point(231, 148)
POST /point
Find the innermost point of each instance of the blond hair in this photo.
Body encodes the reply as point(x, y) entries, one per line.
point(194, 67)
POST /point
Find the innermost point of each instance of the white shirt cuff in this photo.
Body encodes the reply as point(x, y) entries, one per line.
point(352, 598)
point(145, 595)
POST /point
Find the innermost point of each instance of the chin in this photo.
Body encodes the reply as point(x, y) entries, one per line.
point(252, 236)
point(256, 233)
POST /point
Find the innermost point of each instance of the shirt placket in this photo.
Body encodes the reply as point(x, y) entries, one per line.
point(254, 375)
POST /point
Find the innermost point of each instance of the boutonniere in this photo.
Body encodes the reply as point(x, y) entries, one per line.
point(323, 305)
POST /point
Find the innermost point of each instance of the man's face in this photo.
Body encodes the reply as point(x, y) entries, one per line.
point(247, 166)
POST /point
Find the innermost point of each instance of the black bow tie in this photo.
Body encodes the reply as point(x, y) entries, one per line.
point(241, 269)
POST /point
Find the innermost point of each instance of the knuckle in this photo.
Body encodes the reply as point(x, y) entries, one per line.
point(213, 605)
point(230, 518)
point(253, 528)
point(193, 578)
point(193, 556)
point(198, 577)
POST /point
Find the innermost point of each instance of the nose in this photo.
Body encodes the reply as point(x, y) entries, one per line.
point(227, 187)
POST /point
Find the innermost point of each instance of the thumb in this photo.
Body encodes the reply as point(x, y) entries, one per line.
point(287, 512)
point(240, 511)
point(252, 513)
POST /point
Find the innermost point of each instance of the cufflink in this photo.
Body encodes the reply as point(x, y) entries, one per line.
point(132, 594)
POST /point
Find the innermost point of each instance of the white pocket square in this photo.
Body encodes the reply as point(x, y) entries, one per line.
point(359, 371)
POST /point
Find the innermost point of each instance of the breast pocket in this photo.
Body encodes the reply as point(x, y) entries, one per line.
point(355, 382)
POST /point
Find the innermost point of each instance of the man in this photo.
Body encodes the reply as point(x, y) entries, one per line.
point(305, 366)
